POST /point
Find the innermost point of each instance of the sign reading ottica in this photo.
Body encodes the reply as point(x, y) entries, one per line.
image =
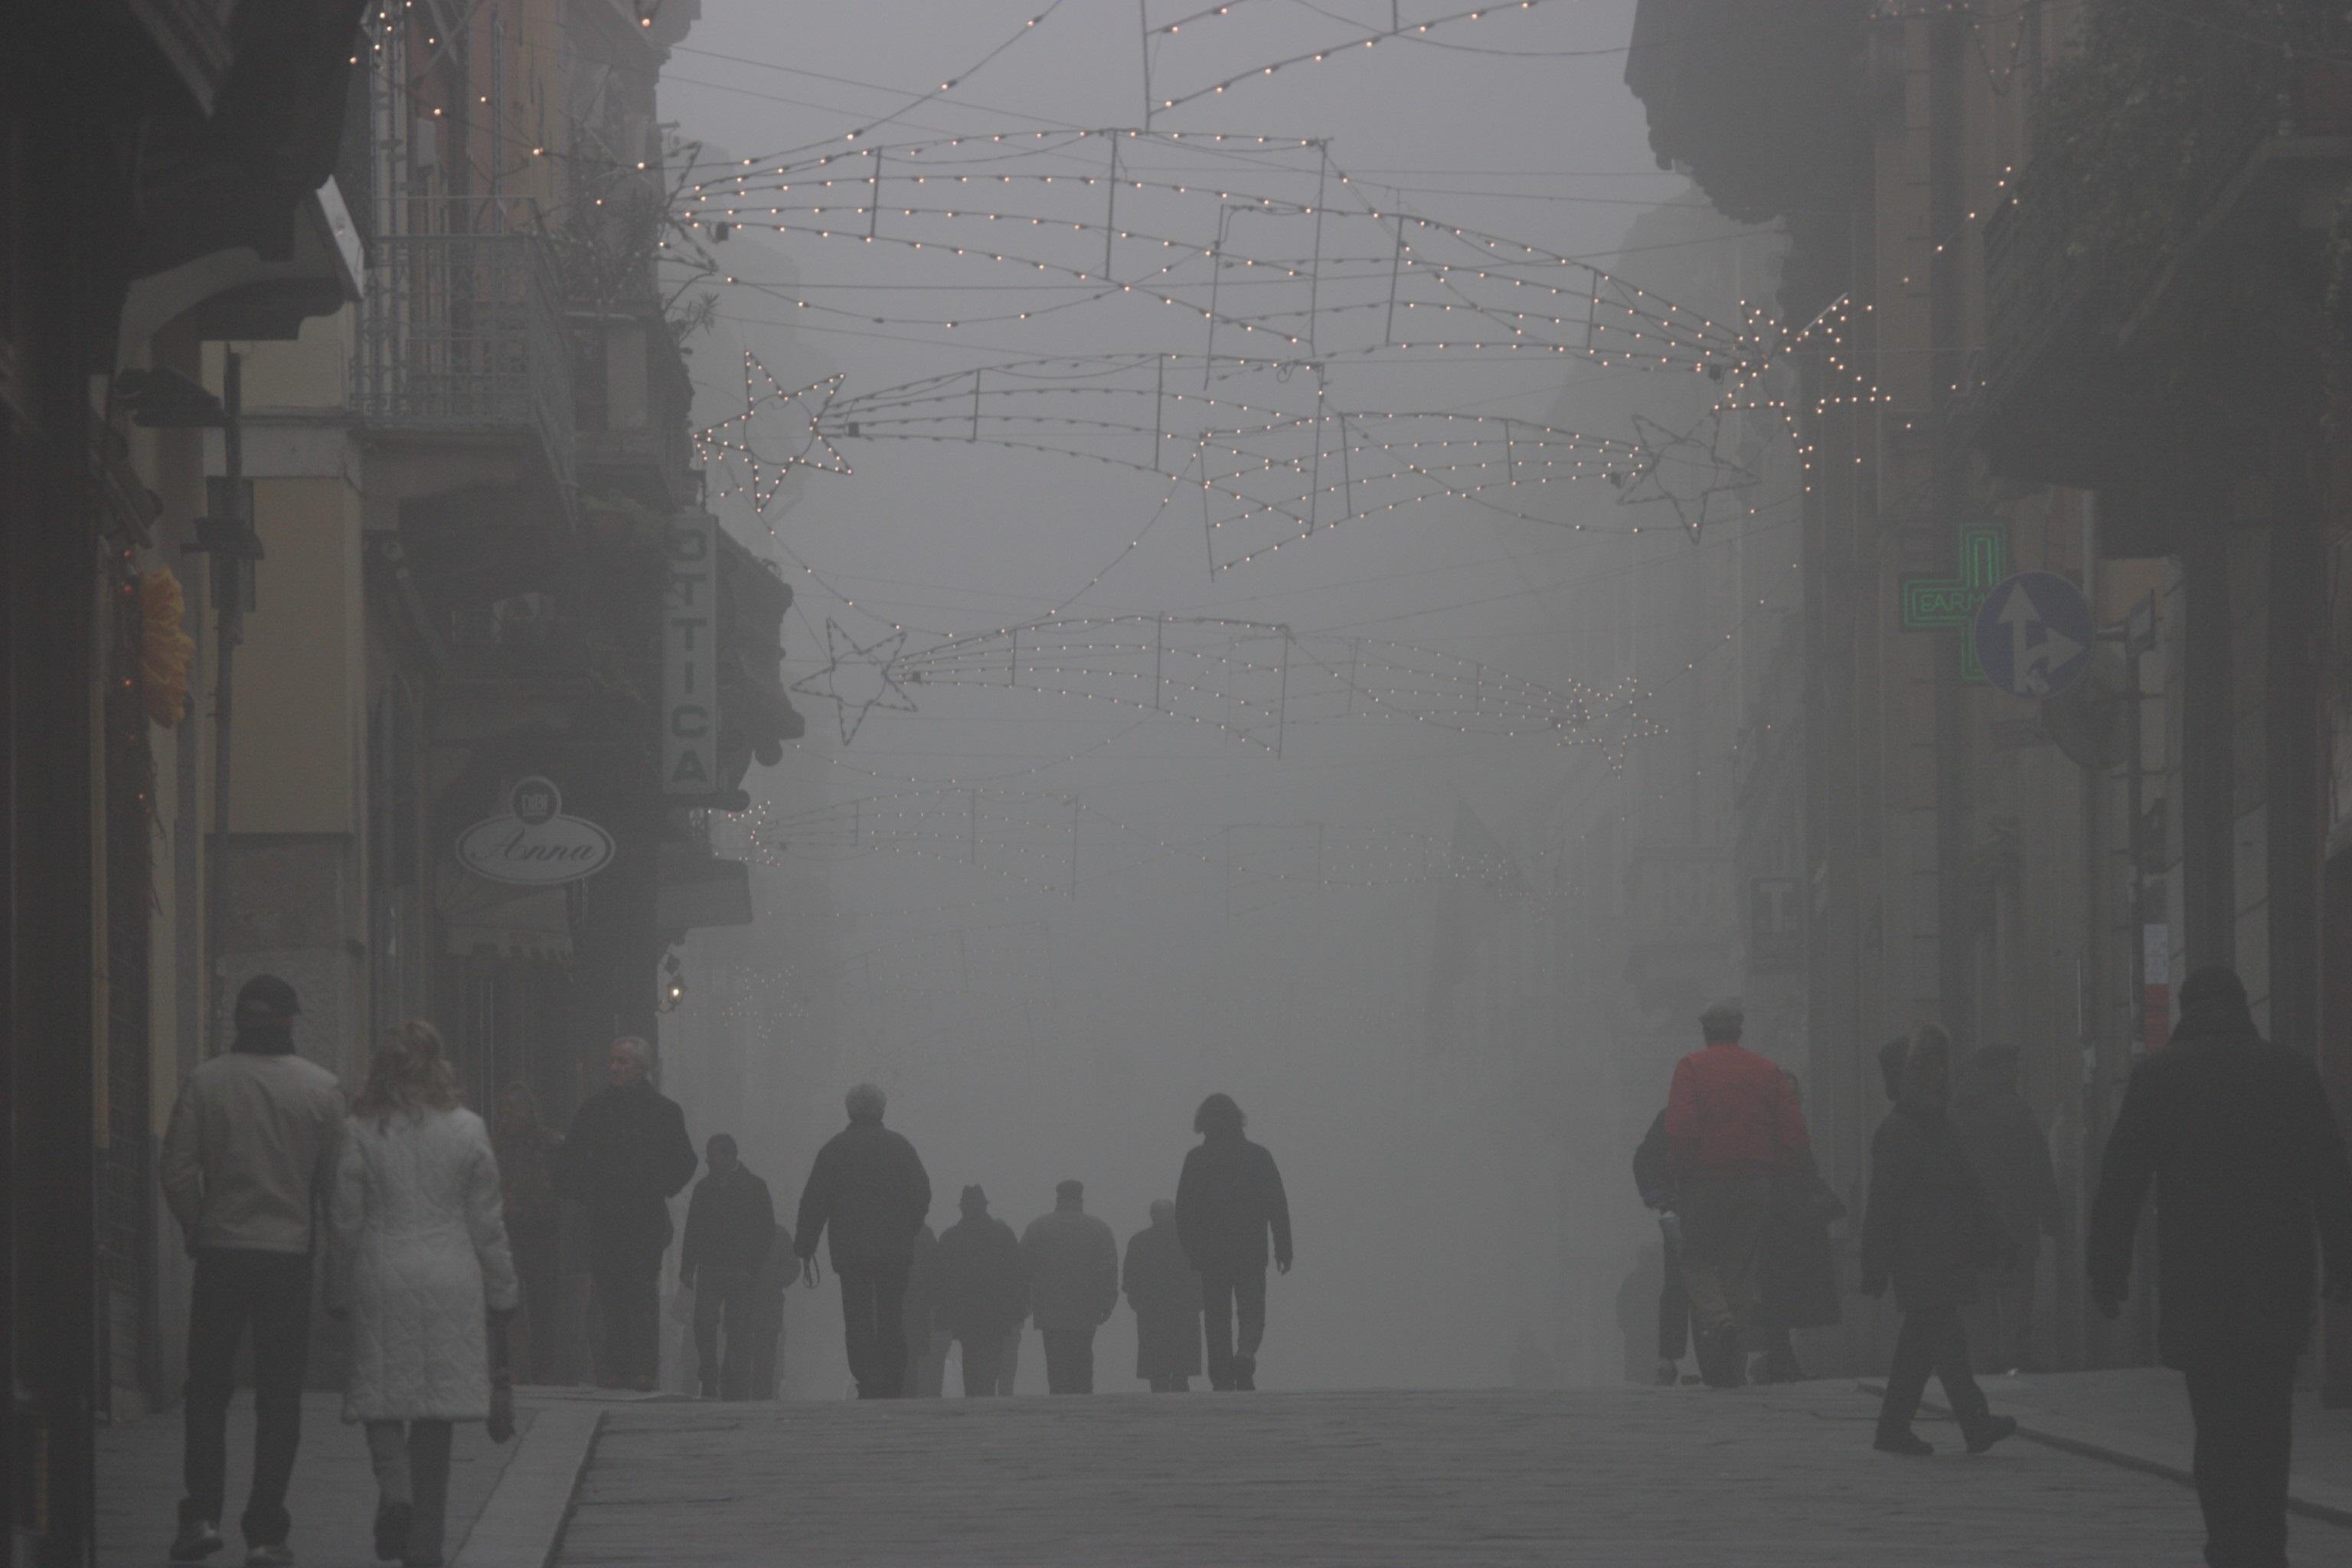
point(533, 842)
point(689, 710)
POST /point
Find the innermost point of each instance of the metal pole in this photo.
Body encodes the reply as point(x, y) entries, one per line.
point(228, 598)
point(971, 806)
point(1073, 845)
point(1110, 206)
point(1159, 659)
point(1282, 697)
point(1143, 26)
point(1314, 272)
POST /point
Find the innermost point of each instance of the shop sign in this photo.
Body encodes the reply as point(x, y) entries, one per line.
point(689, 710)
point(532, 843)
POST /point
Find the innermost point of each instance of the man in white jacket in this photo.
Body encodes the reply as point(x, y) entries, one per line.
point(246, 1166)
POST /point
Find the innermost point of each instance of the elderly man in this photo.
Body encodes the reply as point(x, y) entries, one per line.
point(247, 1161)
point(868, 1187)
point(1732, 1124)
point(1072, 1262)
point(626, 1156)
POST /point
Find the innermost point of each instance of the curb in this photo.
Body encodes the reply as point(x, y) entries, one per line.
point(2334, 1507)
point(522, 1524)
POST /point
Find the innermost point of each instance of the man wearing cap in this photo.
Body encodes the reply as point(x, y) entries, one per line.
point(981, 1293)
point(247, 1160)
point(1732, 1123)
point(2253, 1189)
point(1072, 1285)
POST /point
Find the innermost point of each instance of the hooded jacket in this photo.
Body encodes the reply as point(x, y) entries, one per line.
point(1928, 1225)
point(2251, 1183)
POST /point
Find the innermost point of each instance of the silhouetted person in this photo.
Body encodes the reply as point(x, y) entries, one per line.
point(765, 1340)
point(729, 1226)
point(1654, 1177)
point(526, 1149)
point(1164, 1289)
point(982, 1293)
point(1732, 1123)
point(1796, 1275)
point(926, 1347)
point(2249, 1168)
point(868, 1186)
point(1072, 1262)
point(625, 1157)
point(1228, 1200)
point(2011, 1156)
point(1930, 1230)
point(246, 1167)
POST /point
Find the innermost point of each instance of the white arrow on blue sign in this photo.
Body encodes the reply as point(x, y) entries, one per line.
point(2033, 634)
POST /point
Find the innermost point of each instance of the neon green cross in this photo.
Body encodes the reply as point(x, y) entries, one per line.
point(1933, 603)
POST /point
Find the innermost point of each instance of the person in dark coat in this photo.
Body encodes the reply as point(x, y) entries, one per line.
point(765, 1342)
point(2252, 1185)
point(2011, 1156)
point(1796, 1272)
point(625, 1157)
point(927, 1348)
point(729, 1226)
point(1654, 1177)
point(870, 1188)
point(982, 1292)
point(1072, 1262)
point(1928, 1230)
point(1164, 1289)
point(526, 1149)
point(1228, 1200)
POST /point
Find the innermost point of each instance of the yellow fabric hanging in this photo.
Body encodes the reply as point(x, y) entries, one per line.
point(166, 652)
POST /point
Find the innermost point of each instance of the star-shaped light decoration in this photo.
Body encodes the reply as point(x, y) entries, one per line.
point(857, 679)
point(1687, 470)
point(776, 433)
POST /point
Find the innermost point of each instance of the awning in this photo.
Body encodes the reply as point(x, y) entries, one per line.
point(699, 891)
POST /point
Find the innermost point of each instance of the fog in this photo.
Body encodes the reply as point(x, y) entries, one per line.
point(1044, 898)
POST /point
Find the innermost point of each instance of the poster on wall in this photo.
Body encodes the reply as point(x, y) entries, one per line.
point(689, 710)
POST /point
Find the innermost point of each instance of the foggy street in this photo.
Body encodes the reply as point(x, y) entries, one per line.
point(1770, 1478)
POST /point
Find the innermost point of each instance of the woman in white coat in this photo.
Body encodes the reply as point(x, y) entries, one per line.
point(423, 1270)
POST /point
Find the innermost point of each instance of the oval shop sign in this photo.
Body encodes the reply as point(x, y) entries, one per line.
point(533, 842)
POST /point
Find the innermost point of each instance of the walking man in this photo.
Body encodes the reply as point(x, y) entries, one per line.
point(1732, 1123)
point(1164, 1288)
point(1228, 1200)
point(1072, 1262)
point(2251, 1184)
point(729, 1226)
point(982, 1293)
point(625, 1157)
point(247, 1164)
point(870, 1188)
point(1928, 1231)
point(2011, 1156)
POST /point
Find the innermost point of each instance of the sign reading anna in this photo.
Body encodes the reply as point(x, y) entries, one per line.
point(533, 843)
point(690, 656)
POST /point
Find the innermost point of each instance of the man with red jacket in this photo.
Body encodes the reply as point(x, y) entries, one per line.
point(1732, 1121)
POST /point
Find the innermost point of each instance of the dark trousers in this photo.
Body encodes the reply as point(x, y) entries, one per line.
point(731, 1296)
point(536, 1257)
point(1225, 1296)
point(1931, 1340)
point(983, 1364)
point(2245, 1411)
point(628, 1305)
point(268, 1292)
point(1674, 1308)
point(874, 1326)
point(1069, 1360)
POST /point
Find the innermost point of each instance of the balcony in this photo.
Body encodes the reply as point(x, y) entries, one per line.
point(2078, 321)
point(461, 334)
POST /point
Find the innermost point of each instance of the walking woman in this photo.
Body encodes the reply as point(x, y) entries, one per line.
point(422, 1271)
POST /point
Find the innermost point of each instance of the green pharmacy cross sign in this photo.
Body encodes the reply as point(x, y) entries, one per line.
point(1932, 603)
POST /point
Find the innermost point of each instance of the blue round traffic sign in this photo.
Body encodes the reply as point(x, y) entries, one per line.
point(2033, 634)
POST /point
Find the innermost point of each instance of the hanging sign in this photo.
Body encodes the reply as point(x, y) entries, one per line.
point(533, 842)
point(689, 710)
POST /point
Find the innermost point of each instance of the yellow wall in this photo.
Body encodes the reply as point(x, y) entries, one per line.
point(300, 720)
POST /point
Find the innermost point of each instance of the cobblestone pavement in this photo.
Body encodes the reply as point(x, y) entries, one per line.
point(1617, 1477)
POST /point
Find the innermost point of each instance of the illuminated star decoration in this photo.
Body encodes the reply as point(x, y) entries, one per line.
point(1686, 470)
point(743, 451)
point(857, 679)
